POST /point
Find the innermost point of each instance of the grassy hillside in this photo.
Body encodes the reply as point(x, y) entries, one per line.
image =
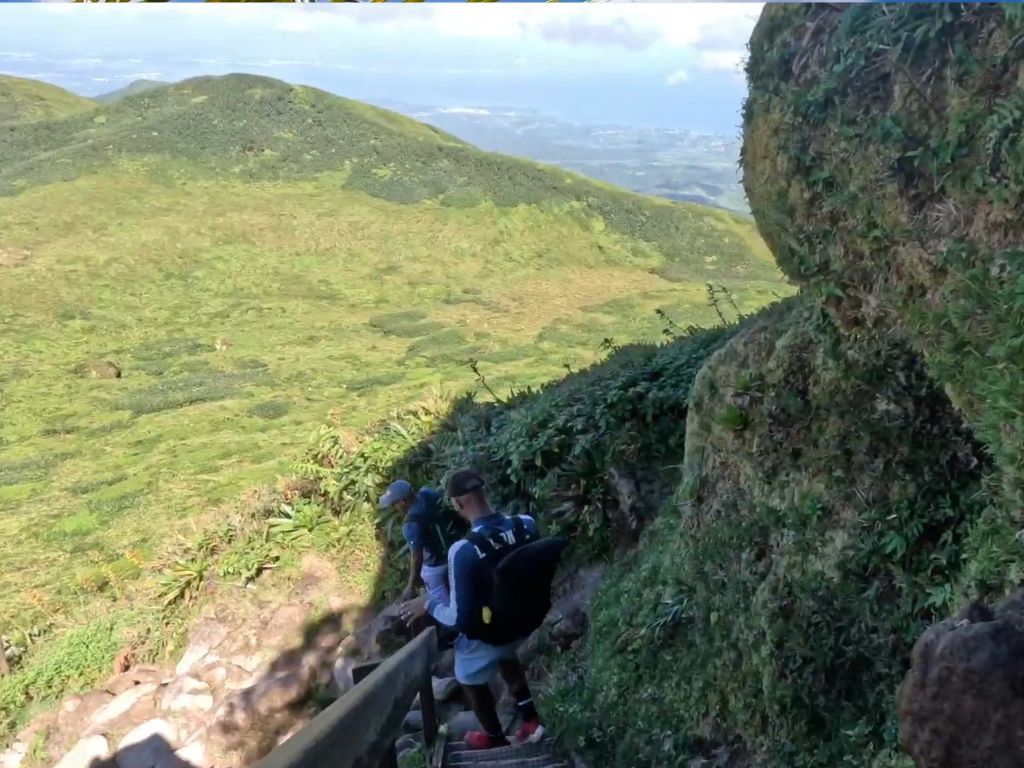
point(26, 101)
point(133, 88)
point(257, 258)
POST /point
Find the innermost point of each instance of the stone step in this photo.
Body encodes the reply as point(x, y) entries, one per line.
point(540, 755)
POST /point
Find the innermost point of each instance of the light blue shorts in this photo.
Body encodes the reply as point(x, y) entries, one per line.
point(476, 662)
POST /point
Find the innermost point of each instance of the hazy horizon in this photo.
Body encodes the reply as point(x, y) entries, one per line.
point(656, 65)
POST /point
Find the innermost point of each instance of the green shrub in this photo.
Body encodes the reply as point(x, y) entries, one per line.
point(68, 664)
point(547, 452)
point(185, 391)
point(409, 323)
point(270, 409)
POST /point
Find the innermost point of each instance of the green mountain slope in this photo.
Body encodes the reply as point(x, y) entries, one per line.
point(257, 129)
point(133, 88)
point(25, 101)
point(257, 258)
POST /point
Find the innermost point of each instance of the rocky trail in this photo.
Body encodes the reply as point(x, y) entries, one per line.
point(256, 668)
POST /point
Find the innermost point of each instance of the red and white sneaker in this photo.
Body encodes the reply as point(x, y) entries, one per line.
point(530, 733)
point(481, 740)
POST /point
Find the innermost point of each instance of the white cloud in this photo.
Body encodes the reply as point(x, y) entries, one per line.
point(16, 55)
point(676, 25)
point(677, 77)
point(724, 60)
point(463, 111)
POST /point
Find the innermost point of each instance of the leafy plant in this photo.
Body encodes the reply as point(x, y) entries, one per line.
point(183, 580)
point(732, 417)
point(298, 521)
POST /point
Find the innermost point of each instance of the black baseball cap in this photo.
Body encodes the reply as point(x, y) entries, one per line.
point(465, 481)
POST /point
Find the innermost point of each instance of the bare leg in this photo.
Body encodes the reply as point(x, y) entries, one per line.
point(514, 674)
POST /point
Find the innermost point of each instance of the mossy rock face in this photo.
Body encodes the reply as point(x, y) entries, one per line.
point(775, 609)
point(884, 162)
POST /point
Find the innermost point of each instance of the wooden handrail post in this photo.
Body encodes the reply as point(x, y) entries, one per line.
point(428, 708)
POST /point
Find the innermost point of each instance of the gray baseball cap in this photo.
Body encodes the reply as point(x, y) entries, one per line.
point(398, 490)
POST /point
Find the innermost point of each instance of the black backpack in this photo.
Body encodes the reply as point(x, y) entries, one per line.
point(441, 529)
point(514, 576)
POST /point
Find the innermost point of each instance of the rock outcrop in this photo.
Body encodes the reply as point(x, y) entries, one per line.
point(962, 703)
point(884, 166)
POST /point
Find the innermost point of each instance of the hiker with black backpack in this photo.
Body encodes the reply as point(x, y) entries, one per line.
point(500, 578)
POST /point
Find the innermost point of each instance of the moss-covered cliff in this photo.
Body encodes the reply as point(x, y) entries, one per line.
point(884, 162)
point(826, 518)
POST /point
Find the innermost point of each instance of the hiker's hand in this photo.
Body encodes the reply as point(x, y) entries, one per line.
point(412, 610)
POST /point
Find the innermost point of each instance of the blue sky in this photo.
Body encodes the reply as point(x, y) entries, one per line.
point(663, 64)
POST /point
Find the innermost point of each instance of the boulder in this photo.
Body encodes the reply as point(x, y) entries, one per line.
point(76, 712)
point(99, 369)
point(187, 694)
point(926, 250)
point(207, 635)
point(413, 722)
point(279, 692)
point(149, 745)
point(569, 627)
point(14, 755)
point(341, 676)
point(85, 753)
point(962, 702)
point(124, 681)
point(223, 675)
point(406, 742)
point(123, 703)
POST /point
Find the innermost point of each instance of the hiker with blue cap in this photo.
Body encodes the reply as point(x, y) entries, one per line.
point(427, 531)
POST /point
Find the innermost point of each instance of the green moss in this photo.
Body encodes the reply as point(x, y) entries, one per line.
point(884, 161)
point(772, 608)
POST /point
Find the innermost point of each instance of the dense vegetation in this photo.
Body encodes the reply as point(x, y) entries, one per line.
point(243, 300)
point(549, 452)
point(133, 88)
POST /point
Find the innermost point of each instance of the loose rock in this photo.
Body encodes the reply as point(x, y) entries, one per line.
point(87, 751)
point(445, 688)
point(962, 702)
point(123, 703)
point(413, 722)
point(186, 694)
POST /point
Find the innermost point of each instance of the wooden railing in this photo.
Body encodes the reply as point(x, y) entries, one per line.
point(359, 729)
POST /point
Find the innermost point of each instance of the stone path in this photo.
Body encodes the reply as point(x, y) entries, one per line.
point(457, 755)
